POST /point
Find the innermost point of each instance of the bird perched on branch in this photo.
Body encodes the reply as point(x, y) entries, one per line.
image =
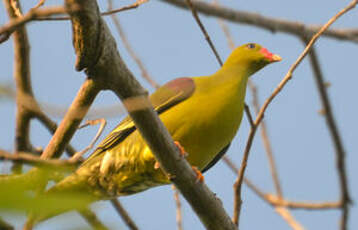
point(202, 114)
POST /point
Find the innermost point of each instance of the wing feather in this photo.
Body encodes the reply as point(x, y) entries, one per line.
point(163, 99)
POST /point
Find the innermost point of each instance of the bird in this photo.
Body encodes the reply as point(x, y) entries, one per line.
point(202, 114)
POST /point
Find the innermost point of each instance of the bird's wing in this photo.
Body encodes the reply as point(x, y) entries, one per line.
point(216, 158)
point(163, 99)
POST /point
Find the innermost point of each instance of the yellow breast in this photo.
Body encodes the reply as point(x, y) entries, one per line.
point(208, 121)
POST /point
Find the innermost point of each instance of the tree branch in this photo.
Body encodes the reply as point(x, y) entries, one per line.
point(289, 218)
point(72, 119)
point(179, 218)
point(124, 214)
point(28, 158)
point(336, 138)
point(275, 200)
point(23, 83)
point(264, 22)
point(9, 28)
point(203, 30)
point(266, 141)
point(107, 13)
point(92, 219)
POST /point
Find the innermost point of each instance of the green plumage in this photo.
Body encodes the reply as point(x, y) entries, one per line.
point(202, 113)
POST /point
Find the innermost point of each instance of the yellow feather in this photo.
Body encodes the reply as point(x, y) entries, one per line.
point(203, 120)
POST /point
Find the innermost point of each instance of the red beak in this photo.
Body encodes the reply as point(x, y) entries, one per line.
point(270, 56)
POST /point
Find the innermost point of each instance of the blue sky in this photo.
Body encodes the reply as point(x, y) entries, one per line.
point(171, 45)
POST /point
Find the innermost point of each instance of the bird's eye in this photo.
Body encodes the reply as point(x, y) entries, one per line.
point(251, 46)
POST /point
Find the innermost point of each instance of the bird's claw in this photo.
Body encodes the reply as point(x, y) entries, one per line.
point(181, 149)
point(199, 176)
point(156, 165)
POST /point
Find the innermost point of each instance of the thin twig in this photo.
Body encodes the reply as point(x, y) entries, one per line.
point(102, 123)
point(39, 4)
point(249, 115)
point(92, 219)
point(132, 6)
point(265, 140)
point(129, 48)
point(15, 6)
point(240, 178)
point(107, 13)
point(289, 218)
point(51, 126)
point(280, 204)
point(202, 28)
point(72, 119)
point(23, 82)
point(179, 218)
point(225, 29)
point(10, 27)
point(28, 158)
point(124, 214)
point(336, 138)
point(277, 201)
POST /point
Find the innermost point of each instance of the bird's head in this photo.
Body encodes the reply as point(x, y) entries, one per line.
point(251, 57)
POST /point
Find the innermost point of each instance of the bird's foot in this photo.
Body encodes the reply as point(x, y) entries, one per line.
point(156, 165)
point(181, 149)
point(199, 176)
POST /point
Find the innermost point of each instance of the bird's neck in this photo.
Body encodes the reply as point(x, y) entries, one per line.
point(235, 76)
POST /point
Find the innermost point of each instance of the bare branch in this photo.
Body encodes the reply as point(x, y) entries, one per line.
point(289, 218)
point(249, 115)
point(28, 158)
point(268, 23)
point(92, 219)
point(39, 4)
point(8, 29)
point(23, 81)
point(179, 217)
point(71, 121)
point(240, 177)
point(266, 141)
point(225, 29)
point(52, 127)
point(279, 201)
point(16, 8)
point(107, 13)
point(103, 123)
point(336, 138)
point(124, 214)
point(132, 6)
point(202, 28)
